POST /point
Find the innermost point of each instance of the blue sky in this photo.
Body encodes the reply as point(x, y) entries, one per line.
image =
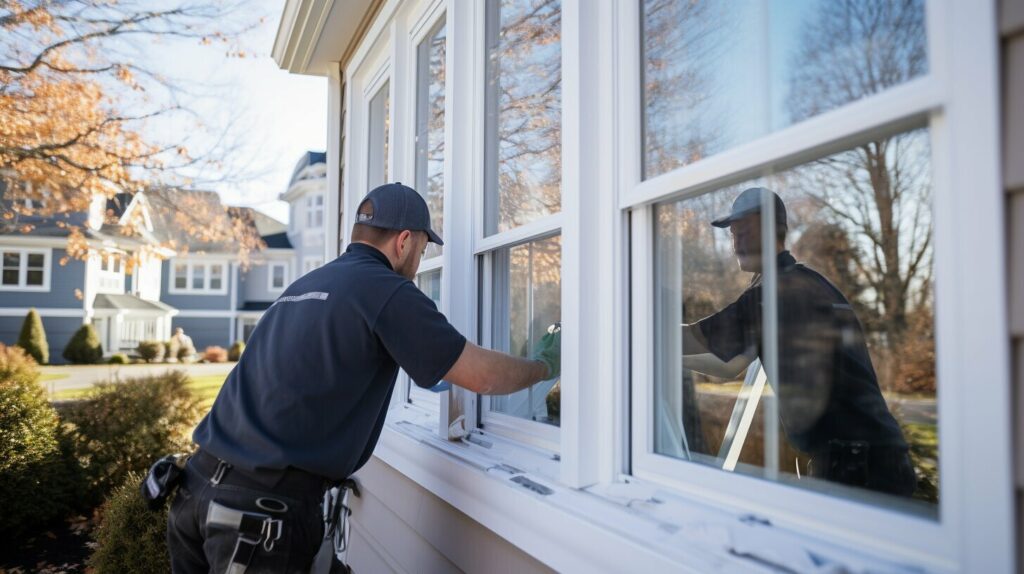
point(275, 116)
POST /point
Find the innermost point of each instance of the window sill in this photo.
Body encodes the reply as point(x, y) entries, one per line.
point(623, 526)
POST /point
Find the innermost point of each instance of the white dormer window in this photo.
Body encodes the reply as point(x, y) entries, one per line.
point(111, 275)
point(25, 270)
point(199, 278)
point(277, 276)
point(314, 211)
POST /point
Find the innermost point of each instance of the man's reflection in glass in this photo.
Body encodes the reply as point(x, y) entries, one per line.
point(830, 404)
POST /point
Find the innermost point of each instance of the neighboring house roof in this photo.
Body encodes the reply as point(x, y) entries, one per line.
point(256, 306)
point(277, 241)
point(130, 303)
point(309, 158)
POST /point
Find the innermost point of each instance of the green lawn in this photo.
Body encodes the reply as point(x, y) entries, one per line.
point(204, 387)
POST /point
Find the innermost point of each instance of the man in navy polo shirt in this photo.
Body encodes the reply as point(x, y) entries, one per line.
point(305, 405)
point(830, 404)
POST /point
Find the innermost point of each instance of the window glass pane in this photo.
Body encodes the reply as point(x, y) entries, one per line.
point(717, 74)
point(36, 260)
point(527, 302)
point(379, 122)
point(34, 277)
point(523, 150)
point(278, 277)
point(12, 264)
point(430, 129)
point(430, 283)
point(216, 276)
point(198, 277)
point(848, 403)
point(180, 276)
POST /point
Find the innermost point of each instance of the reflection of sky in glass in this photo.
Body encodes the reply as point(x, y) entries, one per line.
point(719, 74)
point(430, 283)
point(534, 303)
point(523, 112)
point(430, 130)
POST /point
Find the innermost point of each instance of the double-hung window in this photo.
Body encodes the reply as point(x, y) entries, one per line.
point(277, 275)
point(199, 278)
point(25, 269)
point(784, 261)
point(519, 252)
point(314, 211)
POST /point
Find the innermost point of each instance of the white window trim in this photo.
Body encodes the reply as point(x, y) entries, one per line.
point(24, 252)
point(189, 274)
point(270, 276)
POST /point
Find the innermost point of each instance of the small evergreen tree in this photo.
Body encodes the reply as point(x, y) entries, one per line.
point(33, 338)
point(84, 347)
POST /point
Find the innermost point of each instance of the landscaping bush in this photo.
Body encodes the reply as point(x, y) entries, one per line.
point(151, 351)
point(235, 352)
point(186, 353)
point(33, 338)
point(118, 359)
point(124, 427)
point(129, 537)
point(84, 347)
point(215, 354)
point(170, 351)
point(39, 477)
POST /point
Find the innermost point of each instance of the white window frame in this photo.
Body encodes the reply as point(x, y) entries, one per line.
point(23, 253)
point(958, 148)
point(419, 31)
point(270, 275)
point(190, 268)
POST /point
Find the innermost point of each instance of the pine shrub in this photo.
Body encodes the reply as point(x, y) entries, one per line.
point(151, 351)
point(125, 426)
point(33, 338)
point(84, 347)
point(118, 359)
point(129, 537)
point(235, 352)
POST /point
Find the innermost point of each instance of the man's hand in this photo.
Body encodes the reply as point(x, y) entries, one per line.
point(549, 350)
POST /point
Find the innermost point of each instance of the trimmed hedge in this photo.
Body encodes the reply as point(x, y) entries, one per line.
point(118, 359)
point(235, 352)
point(130, 538)
point(151, 351)
point(33, 338)
point(40, 480)
point(84, 347)
point(124, 427)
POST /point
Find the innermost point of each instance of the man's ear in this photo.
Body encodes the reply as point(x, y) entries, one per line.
point(404, 239)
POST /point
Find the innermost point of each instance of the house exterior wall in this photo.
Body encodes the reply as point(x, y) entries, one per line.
point(1012, 32)
point(205, 331)
point(64, 280)
point(254, 282)
point(399, 526)
point(59, 331)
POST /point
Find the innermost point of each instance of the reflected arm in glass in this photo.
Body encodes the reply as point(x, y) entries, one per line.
point(698, 357)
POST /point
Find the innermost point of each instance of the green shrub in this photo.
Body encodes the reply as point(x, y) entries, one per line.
point(39, 476)
point(129, 537)
point(170, 351)
point(185, 352)
point(118, 359)
point(33, 338)
point(235, 352)
point(126, 426)
point(215, 354)
point(84, 347)
point(151, 351)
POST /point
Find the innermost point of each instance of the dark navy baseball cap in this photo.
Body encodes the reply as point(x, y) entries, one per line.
point(748, 202)
point(399, 207)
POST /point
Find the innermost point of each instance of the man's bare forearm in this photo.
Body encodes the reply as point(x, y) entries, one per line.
point(493, 373)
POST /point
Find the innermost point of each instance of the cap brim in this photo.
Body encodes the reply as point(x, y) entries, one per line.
point(434, 238)
point(723, 222)
point(734, 217)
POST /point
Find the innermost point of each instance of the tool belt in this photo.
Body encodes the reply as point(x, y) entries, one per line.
point(254, 529)
point(290, 482)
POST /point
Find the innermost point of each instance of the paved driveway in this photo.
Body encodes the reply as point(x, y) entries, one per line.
point(80, 376)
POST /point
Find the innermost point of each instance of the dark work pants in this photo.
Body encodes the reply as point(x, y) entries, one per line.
point(196, 548)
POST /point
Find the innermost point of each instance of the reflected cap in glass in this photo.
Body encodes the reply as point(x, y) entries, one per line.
point(748, 202)
point(399, 207)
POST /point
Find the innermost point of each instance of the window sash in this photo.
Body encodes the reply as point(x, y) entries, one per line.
point(278, 276)
point(199, 278)
point(18, 274)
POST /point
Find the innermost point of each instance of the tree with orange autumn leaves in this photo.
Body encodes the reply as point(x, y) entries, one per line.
point(74, 106)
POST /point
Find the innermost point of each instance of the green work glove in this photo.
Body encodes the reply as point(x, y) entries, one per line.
point(549, 350)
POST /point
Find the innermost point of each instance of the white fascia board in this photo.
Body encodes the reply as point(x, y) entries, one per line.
point(302, 47)
point(31, 241)
point(43, 312)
